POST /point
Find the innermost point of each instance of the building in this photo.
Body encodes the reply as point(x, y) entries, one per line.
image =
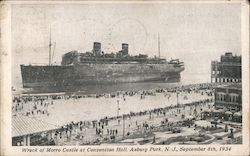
point(28, 131)
point(229, 97)
point(228, 69)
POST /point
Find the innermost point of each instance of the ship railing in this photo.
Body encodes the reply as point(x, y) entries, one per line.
point(176, 61)
point(120, 59)
point(122, 62)
point(37, 64)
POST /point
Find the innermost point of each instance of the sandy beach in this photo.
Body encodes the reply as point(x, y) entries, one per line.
point(161, 116)
point(91, 108)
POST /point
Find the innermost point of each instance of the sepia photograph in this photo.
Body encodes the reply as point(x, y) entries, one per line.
point(137, 76)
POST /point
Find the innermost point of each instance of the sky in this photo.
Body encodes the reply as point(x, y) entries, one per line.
point(193, 32)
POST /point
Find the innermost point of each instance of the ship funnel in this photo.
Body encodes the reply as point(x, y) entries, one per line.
point(124, 49)
point(97, 48)
point(229, 54)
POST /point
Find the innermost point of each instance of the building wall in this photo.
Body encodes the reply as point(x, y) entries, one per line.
point(228, 98)
point(227, 70)
point(222, 72)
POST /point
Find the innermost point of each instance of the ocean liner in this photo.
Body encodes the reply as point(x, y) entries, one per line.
point(97, 67)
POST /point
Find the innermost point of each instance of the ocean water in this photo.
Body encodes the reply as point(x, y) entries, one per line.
point(186, 78)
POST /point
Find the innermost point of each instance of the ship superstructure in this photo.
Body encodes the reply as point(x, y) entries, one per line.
point(96, 67)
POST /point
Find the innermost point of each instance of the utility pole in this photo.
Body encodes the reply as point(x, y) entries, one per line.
point(177, 98)
point(123, 126)
point(118, 109)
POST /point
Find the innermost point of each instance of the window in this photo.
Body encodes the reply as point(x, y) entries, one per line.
point(234, 98)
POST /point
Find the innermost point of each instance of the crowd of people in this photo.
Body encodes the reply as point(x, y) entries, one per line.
point(40, 103)
point(103, 128)
point(31, 106)
point(143, 121)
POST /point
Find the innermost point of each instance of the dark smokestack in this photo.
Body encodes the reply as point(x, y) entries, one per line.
point(125, 48)
point(97, 48)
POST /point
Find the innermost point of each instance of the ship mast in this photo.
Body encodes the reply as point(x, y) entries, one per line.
point(50, 44)
point(53, 52)
point(159, 46)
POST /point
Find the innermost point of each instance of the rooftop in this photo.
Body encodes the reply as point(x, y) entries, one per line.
point(23, 125)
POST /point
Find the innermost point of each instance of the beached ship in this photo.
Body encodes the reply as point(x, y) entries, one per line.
point(97, 67)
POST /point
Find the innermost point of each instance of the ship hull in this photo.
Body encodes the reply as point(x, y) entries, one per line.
point(86, 74)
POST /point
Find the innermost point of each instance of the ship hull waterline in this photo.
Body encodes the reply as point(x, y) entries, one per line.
point(62, 76)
